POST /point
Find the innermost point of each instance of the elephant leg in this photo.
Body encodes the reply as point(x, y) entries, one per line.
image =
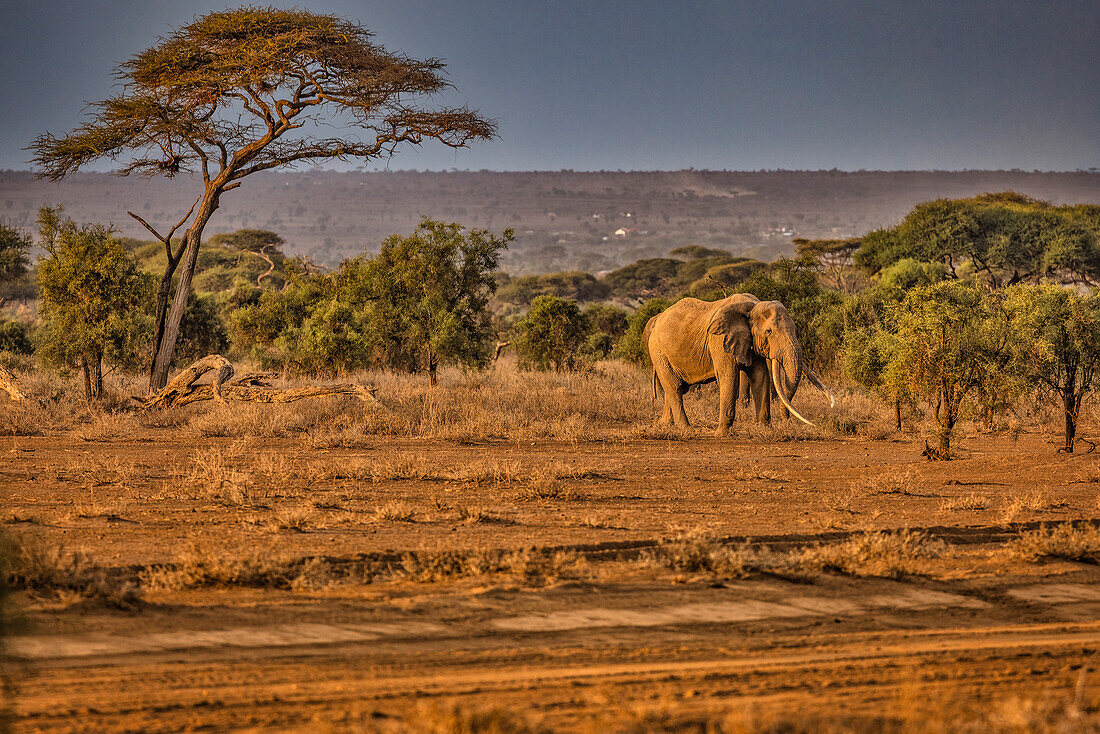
point(760, 385)
point(743, 394)
point(728, 381)
point(674, 389)
point(679, 415)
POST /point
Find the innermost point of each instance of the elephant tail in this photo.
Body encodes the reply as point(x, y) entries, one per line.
point(654, 384)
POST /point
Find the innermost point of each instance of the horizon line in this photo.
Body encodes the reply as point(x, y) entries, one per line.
point(1093, 170)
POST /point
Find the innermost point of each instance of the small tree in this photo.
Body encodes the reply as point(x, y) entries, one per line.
point(15, 247)
point(432, 289)
point(1056, 343)
point(947, 340)
point(551, 334)
point(91, 296)
point(241, 91)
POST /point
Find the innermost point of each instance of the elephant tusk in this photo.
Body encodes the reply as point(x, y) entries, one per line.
point(782, 397)
point(817, 383)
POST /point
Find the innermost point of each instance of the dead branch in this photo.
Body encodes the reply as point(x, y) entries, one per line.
point(500, 348)
point(266, 394)
point(7, 384)
point(250, 387)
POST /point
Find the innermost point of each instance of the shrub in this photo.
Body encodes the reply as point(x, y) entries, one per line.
point(15, 338)
point(630, 347)
point(551, 334)
point(92, 299)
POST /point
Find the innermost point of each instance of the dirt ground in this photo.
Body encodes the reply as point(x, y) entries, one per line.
point(601, 636)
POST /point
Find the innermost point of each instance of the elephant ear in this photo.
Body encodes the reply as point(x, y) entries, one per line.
point(732, 324)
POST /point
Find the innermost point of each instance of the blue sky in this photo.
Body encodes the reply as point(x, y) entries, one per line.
point(663, 85)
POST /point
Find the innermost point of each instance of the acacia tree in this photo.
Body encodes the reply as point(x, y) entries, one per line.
point(242, 91)
point(947, 341)
point(1057, 344)
point(432, 289)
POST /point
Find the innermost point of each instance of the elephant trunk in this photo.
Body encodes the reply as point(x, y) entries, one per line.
point(790, 358)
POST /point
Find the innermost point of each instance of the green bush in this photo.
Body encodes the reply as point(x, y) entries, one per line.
point(551, 335)
point(93, 299)
point(202, 330)
point(605, 318)
point(422, 301)
point(15, 337)
point(631, 347)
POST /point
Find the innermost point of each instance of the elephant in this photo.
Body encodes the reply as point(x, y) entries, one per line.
point(740, 337)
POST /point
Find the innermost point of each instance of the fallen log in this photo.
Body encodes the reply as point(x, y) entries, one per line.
point(7, 384)
point(250, 387)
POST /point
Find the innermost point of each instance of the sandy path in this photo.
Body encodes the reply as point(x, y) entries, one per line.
point(560, 664)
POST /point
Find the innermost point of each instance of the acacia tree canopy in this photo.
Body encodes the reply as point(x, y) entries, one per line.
point(247, 90)
point(1004, 237)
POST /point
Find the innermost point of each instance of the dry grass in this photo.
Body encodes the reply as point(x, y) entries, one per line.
point(213, 477)
point(297, 519)
point(897, 482)
point(532, 566)
point(67, 576)
point(109, 427)
point(914, 711)
point(454, 718)
point(881, 554)
point(394, 512)
point(1068, 542)
point(1023, 505)
point(966, 502)
point(203, 566)
point(477, 516)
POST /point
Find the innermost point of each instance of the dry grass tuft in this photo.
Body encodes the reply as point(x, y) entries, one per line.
point(109, 427)
point(296, 519)
point(897, 482)
point(879, 554)
point(68, 576)
point(697, 552)
point(883, 554)
point(970, 501)
point(477, 516)
point(1069, 542)
point(533, 566)
point(394, 512)
point(1025, 504)
point(202, 566)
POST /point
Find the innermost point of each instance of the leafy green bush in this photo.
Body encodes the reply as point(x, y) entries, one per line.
point(15, 337)
point(631, 348)
point(550, 335)
point(93, 299)
point(202, 330)
point(422, 301)
point(1004, 238)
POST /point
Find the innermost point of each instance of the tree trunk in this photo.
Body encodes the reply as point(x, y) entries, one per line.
point(86, 367)
point(947, 419)
point(97, 376)
point(163, 293)
point(166, 344)
point(897, 414)
point(92, 366)
point(1072, 405)
point(433, 365)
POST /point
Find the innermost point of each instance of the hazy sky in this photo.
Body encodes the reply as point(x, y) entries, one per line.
point(892, 84)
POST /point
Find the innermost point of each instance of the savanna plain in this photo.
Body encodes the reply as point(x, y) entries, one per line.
point(511, 551)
